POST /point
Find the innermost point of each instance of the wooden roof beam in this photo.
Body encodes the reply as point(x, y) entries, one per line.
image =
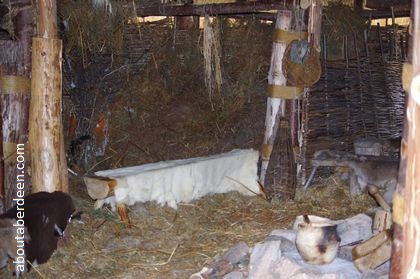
point(387, 4)
point(375, 14)
point(212, 9)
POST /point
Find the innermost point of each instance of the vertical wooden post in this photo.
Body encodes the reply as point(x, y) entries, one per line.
point(47, 20)
point(24, 32)
point(275, 106)
point(411, 225)
point(49, 169)
point(14, 97)
point(2, 190)
point(405, 261)
point(14, 100)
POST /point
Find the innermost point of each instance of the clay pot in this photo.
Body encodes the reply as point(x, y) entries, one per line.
point(317, 242)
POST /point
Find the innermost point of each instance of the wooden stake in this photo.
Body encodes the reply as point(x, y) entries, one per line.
point(2, 190)
point(275, 106)
point(14, 102)
point(411, 225)
point(49, 167)
point(45, 115)
point(405, 261)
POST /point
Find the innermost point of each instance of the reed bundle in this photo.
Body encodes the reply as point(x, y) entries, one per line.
point(212, 55)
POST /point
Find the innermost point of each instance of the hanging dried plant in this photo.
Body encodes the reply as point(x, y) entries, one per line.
point(212, 54)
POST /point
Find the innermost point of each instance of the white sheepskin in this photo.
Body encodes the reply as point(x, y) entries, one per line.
point(172, 182)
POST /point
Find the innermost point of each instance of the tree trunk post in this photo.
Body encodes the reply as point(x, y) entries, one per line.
point(278, 92)
point(411, 225)
point(405, 261)
point(49, 168)
point(15, 71)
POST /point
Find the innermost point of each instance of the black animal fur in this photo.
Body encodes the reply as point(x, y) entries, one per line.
point(43, 213)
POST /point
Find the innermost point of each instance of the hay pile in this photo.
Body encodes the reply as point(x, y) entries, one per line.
point(164, 113)
point(167, 243)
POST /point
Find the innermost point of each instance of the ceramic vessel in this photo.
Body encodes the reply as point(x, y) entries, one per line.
point(317, 242)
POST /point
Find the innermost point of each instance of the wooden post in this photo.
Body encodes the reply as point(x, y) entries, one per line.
point(275, 106)
point(14, 99)
point(411, 226)
point(14, 96)
point(24, 32)
point(49, 169)
point(2, 190)
point(278, 91)
point(405, 261)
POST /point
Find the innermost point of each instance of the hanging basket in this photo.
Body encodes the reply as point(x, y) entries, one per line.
point(301, 65)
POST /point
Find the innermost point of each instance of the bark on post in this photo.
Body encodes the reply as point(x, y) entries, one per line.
point(2, 196)
point(278, 92)
point(24, 32)
point(49, 170)
point(15, 67)
point(411, 225)
point(14, 95)
point(405, 261)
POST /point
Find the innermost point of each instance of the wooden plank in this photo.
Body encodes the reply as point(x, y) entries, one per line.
point(212, 9)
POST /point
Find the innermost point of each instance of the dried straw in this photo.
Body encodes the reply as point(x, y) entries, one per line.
point(211, 53)
point(165, 243)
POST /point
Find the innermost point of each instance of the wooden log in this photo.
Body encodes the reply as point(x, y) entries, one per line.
point(14, 96)
point(45, 130)
point(275, 106)
point(2, 190)
point(47, 19)
point(101, 189)
point(24, 32)
point(373, 252)
point(411, 225)
point(404, 261)
point(98, 187)
point(50, 173)
point(15, 64)
point(213, 9)
point(382, 221)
